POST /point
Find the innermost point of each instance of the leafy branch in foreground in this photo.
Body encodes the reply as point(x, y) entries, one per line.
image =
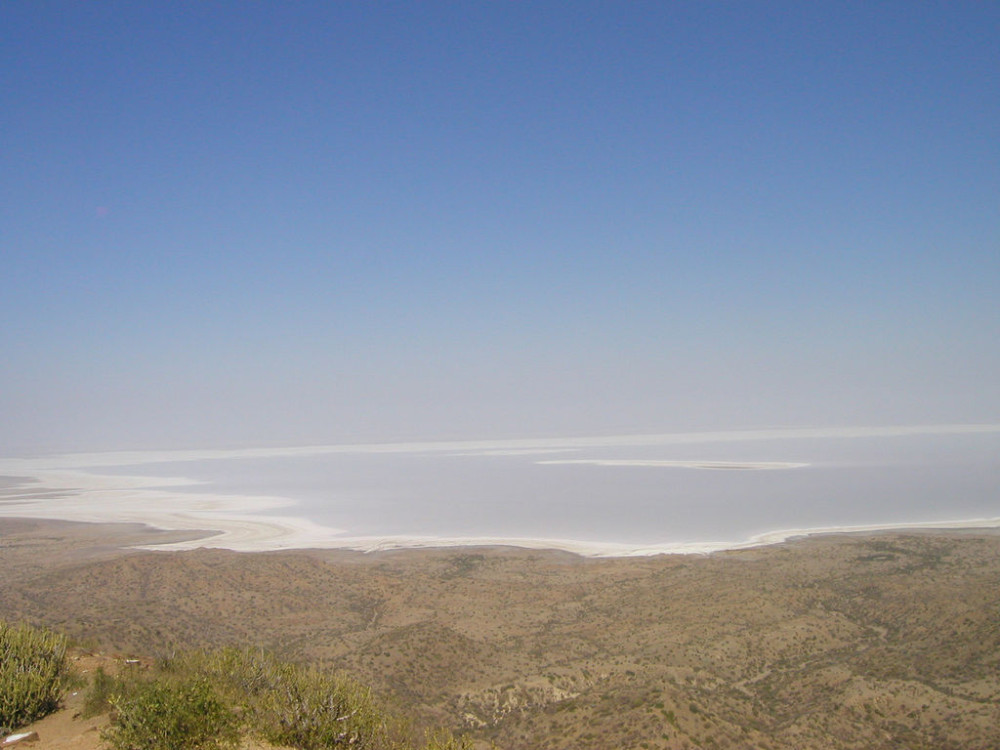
point(33, 673)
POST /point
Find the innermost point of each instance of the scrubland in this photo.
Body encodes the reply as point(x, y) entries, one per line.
point(889, 640)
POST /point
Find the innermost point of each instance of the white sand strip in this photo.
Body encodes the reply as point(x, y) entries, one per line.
point(238, 521)
point(30, 466)
point(582, 548)
point(653, 463)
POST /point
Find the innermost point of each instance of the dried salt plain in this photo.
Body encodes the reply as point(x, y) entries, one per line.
point(618, 495)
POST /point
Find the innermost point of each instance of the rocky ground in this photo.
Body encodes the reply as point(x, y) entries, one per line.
point(883, 641)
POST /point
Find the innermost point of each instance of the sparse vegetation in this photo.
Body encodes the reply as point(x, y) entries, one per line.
point(445, 740)
point(169, 714)
point(802, 645)
point(206, 700)
point(33, 673)
point(98, 700)
point(290, 705)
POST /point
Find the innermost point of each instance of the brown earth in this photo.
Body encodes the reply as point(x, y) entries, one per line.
point(882, 641)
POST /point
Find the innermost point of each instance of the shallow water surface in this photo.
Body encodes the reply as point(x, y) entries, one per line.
point(552, 493)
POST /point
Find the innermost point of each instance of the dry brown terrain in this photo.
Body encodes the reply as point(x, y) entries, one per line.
point(888, 641)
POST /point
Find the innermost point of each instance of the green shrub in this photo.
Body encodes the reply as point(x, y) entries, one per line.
point(445, 740)
point(33, 673)
point(98, 699)
point(313, 710)
point(290, 705)
point(170, 714)
point(205, 700)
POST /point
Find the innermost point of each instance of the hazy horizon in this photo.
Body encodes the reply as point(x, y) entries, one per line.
point(235, 224)
point(618, 495)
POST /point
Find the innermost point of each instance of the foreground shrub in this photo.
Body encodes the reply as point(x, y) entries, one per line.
point(313, 710)
point(445, 740)
point(98, 698)
point(204, 701)
point(170, 714)
point(33, 673)
point(291, 705)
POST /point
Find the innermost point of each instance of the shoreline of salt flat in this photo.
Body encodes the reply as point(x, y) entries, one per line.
point(238, 523)
point(248, 533)
point(61, 488)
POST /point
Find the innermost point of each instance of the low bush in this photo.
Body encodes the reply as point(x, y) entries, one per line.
point(169, 714)
point(206, 700)
point(445, 740)
point(33, 673)
point(291, 705)
point(98, 698)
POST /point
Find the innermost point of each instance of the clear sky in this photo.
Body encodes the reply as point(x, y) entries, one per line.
point(233, 223)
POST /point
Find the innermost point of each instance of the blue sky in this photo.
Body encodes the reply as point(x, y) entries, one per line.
point(235, 223)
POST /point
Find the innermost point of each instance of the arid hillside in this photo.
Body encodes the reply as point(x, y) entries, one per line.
point(884, 641)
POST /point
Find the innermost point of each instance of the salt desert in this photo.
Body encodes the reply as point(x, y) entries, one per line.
point(599, 496)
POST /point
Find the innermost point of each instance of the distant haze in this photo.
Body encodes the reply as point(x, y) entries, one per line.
point(233, 224)
point(617, 495)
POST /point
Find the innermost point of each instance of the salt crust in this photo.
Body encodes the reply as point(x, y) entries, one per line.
point(60, 487)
